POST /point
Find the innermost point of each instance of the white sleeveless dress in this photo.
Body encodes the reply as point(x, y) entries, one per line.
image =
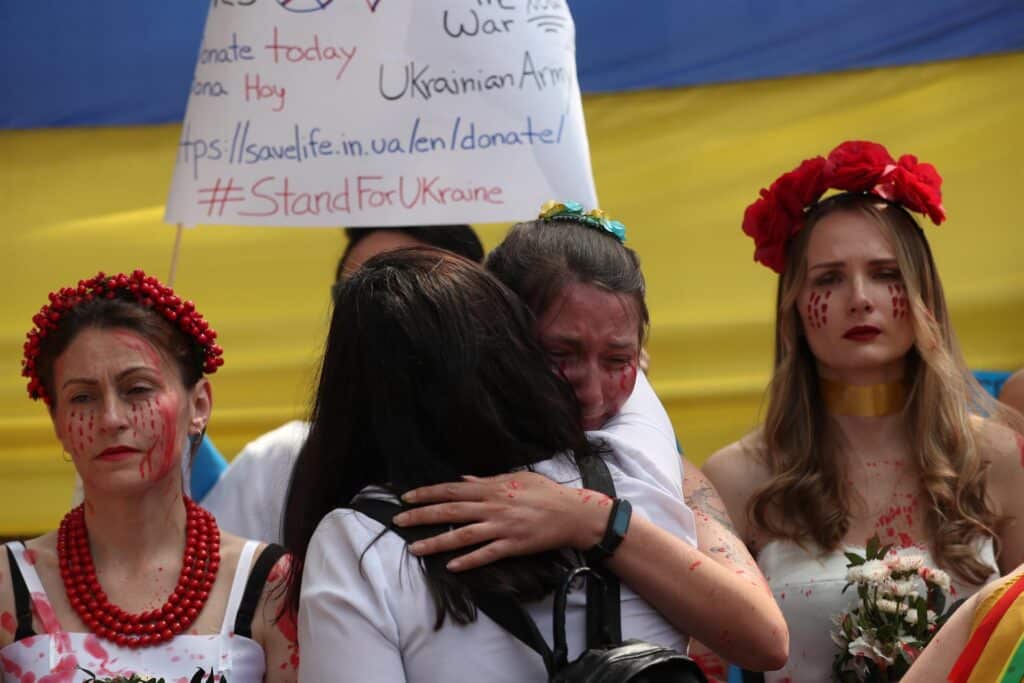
point(808, 589)
point(54, 657)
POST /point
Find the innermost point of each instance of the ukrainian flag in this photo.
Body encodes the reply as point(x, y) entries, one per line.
point(691, 108)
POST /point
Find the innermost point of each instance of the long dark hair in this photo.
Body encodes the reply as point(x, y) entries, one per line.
point(431, 372)
point(538, 259)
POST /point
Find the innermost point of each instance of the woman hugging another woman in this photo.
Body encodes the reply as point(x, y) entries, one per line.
point(138, 579)
point(586, 292)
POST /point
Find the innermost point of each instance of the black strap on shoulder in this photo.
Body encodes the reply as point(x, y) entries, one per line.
point(254, 588)
point(504, 611)
point(604, 626)
point(22, 600)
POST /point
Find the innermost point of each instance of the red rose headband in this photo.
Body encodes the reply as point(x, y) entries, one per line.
point(854, 166)
point(145, 290)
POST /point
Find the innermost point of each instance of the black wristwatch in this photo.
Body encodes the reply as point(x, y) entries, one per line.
point(618, 525)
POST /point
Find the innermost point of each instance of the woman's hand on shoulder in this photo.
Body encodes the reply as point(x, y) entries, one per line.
point(1003, 449)
point(510, 514)
point(274, 627)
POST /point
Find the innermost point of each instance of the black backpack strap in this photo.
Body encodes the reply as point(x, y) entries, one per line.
point(503, 611)
point(22, 600)
point(254, 588)
point(604, 626)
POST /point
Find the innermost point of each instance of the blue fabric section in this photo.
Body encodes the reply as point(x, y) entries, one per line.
point(624, 44)
point(113, 62)
point(992, 381)
point(207, 466)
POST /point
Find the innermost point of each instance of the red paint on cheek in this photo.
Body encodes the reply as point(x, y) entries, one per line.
point(817, 309)
point(628, 378)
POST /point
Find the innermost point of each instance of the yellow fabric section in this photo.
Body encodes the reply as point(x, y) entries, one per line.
point(998, 652)
point(678, 167)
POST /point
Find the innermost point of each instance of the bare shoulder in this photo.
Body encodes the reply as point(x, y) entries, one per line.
point(41, 552)
point(739, 468)
point(1012, 393)
point(1000, 446)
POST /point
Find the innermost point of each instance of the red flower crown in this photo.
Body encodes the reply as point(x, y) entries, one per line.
point(146, 290)
point(853, 166)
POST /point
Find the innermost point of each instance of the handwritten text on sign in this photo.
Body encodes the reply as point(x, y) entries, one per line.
point(381, 112)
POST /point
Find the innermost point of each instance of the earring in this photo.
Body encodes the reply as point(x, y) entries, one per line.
point(64, 455)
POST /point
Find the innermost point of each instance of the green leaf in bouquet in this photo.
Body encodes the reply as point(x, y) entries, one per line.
point(854, 559)
point(872, 547)
point(936, 599)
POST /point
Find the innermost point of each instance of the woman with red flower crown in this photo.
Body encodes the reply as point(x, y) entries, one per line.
point(874, 426)
point(138, 579)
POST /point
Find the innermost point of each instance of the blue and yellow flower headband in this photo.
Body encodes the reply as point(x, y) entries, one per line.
point(573, 212)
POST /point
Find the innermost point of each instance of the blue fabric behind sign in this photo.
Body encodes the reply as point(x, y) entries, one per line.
point(114, 62)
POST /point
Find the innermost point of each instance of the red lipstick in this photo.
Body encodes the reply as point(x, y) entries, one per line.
point(862, 333)
point(118, 453)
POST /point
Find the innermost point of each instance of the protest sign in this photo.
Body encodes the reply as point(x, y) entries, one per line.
point(381, 112)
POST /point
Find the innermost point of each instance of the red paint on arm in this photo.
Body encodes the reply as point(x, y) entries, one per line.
point(8, 622)
point(696, 563)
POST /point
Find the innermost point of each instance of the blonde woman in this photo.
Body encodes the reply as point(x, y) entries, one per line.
point(873, 425)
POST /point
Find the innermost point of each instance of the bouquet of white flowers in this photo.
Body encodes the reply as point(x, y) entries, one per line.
point(902, 604)
point(199, 677)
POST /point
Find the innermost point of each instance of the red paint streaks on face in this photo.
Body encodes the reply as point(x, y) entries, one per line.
point(165, 446)
point(696, 563)
point(817, 309)
point(8, 622)
point(627, 378)
point(899, 301)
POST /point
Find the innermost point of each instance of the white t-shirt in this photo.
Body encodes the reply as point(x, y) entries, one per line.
point(248, 500)
point(367, 613)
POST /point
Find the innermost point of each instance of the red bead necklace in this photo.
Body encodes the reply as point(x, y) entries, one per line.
point(198, 572)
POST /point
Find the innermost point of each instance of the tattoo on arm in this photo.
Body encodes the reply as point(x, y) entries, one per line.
point(704, 499)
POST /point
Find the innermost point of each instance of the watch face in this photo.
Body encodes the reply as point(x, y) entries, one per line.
point(622, 515)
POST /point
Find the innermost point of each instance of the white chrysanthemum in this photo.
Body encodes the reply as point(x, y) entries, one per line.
point(935, 576)
point(866, 646)
point(875, 571)
point(905, 563)
point(855, 574)
point(888, 606)
point(902, 588)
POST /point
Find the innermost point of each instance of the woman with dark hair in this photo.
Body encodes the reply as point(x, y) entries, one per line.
point(874, 424)
point(138, 579)
point(432, 374)
point(248, 499)
point(587, 293)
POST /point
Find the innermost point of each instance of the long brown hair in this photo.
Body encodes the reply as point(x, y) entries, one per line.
point(805, 499)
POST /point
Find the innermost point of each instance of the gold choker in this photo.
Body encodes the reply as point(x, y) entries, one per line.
point(871, 400)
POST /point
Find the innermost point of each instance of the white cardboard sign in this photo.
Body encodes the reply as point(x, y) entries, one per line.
point(381, 112)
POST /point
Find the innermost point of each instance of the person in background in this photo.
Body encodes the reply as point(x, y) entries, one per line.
point(873, 426)
point(1012, 394)
point(138, 579)
point(248, 499)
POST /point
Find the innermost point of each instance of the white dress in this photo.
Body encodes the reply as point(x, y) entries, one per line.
point(54, 657)
point(809, 589)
